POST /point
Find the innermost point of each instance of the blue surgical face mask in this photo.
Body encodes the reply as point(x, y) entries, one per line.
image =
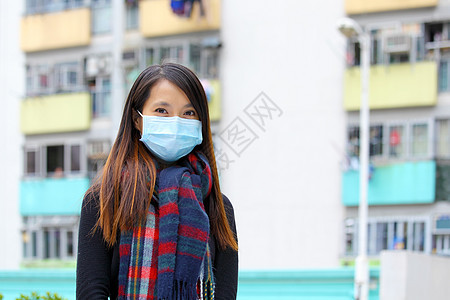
point(170, 138)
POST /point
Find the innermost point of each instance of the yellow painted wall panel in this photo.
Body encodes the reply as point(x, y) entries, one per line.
point(214, 95)
point(157, 19)
point(56, 113)
point(64, 29)
point(369, 6)
point(394, 86)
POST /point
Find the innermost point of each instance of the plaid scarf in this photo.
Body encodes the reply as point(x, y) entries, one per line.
point(168, 257)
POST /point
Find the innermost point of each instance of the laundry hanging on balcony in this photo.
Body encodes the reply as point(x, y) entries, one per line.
point(183, 8)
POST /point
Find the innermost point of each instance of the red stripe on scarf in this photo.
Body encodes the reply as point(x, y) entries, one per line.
point(124, 249)
point(168, 209)
point(143, 272)
point(168, 247)
point(192, 232)
point(149, 233)
point(166, 270)
point(186, 193)
point(189, 254)
point(171, 188)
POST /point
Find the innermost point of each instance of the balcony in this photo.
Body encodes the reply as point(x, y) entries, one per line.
point(52, 196)
point(157, 19)
point(56, 113)
point(401, 183)
point(353, 7)
point(68, 28)
point(394, 86)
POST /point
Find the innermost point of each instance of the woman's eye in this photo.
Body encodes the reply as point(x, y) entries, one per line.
point(190, 113)
point(161, 110)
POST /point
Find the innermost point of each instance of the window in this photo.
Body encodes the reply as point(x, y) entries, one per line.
point(31, 162)
point(46, 6)
point(195, 57)
point(70, 243)
point(67, 77)
point(204, 58)
point(75, 157)
point(50, 237)
point(55, 161)
point(443, 79)
point(434, 32)
point(172, 54)
point(101, 16)
point(350, 237)
point(443, 138)
point(353, 142)
point(100, 89)
point(397, 141)
point(354, 54)
point(98, 152)
point(387, 234)
point(441, 234)
point(200, 54)
point(34, 6)
point(43, 79)
point(150, 57)
point(38, 80)
point(419, 140)
point(375, 139)
point(132, 14)
point(211, 63)
point(441, 244)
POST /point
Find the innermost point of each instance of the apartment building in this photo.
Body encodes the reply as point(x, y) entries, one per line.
point(409, 95)
point(81, 58)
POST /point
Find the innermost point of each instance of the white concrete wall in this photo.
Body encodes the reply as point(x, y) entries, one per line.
point(11, 86)
point(408, 275)
point(286, 186)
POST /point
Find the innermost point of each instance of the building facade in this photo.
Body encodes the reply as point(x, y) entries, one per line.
point(409, 127)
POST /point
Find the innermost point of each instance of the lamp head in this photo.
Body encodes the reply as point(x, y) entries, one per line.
point(349, 28)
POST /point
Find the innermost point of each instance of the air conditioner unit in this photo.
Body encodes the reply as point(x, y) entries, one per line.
point(98, 65)
point(104, 64)
point(130, 58)
point(91, 66)
point(397, 43)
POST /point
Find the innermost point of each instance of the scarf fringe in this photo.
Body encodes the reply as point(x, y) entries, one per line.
point(181, 290)
point(187, 291)
point(208, 288)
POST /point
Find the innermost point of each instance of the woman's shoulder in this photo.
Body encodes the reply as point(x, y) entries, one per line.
point(91, 201)
point(227, 203)
point(229, 210)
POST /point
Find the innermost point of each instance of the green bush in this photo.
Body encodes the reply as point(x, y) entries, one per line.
point(36, 296)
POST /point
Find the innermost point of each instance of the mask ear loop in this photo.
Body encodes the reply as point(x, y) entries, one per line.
point(140, 113)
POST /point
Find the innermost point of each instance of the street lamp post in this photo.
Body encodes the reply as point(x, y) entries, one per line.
point(350, 28)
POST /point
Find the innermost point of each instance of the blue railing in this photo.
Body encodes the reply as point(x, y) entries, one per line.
point(330, 284)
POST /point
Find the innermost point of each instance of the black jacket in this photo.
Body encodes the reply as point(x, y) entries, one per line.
point(98, 264)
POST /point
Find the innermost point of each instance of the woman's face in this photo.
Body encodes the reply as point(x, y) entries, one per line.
point(167, 100)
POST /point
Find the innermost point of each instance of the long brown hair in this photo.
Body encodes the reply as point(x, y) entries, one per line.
point(127, 181)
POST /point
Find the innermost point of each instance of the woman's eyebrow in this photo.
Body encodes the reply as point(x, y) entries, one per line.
point(188, 105)
point(161, 103)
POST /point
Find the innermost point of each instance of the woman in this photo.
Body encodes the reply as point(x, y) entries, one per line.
point(155, 225)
